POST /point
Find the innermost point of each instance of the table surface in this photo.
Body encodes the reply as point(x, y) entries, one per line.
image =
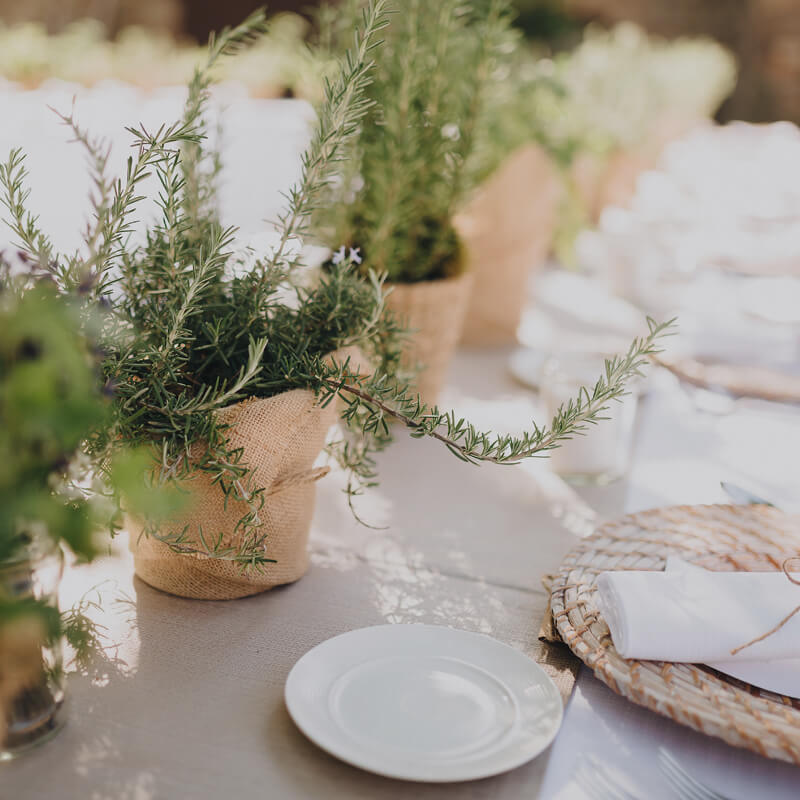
point(189, 703)
point(188, 699)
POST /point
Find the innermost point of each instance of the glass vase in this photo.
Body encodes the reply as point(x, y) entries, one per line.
point(32, 689)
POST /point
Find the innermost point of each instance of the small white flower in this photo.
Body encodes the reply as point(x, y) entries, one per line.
point(338, 256)
point(355, 255)
point(451, 131)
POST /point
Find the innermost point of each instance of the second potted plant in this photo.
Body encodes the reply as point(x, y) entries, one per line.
point(397, 200)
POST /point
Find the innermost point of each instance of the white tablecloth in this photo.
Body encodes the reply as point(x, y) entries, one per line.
point(260, 140)
point(626, 739)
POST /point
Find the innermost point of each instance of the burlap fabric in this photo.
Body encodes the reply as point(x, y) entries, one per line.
point(281, 437)
point(434, 312)
point(507, 229)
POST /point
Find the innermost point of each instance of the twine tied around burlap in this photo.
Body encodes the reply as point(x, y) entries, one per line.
point(790, 615)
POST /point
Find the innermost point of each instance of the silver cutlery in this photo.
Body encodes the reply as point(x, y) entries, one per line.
point(686, 787)
point(601, 783)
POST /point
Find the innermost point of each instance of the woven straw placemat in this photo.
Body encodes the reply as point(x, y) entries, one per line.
point(715, 537)
point(740, 380)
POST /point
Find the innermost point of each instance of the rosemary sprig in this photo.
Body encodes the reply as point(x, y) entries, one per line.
point(345, 107)
point(469, 444)
point(411, 161)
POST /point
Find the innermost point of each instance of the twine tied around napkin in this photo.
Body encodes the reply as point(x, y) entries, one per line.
point(775, 628)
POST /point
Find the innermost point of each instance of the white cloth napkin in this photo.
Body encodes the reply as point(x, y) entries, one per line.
point(692, 615)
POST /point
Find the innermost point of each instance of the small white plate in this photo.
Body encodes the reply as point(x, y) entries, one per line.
point(424, 702)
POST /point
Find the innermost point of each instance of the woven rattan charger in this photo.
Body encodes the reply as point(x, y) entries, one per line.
point(753, 538)
point(764, 383)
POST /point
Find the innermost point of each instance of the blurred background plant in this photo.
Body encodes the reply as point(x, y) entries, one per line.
point(613, 91)
point(49, 400)
point(617, 84)
point(412, 162)
point(51, 495)
point(763, 35)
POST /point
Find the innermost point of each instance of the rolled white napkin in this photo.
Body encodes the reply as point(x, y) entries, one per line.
point(692, 615)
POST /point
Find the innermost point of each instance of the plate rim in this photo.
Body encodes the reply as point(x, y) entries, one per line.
point(346, 755)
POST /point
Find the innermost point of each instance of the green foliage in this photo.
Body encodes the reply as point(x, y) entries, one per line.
point(522, 105)
point(191, 326)
point(607, 92)
point(619, 83)
point(49, 400)
point(372, 403)
point(410, 168)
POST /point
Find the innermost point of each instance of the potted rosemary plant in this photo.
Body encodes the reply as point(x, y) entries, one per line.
point(232, 367)
point(410, 171)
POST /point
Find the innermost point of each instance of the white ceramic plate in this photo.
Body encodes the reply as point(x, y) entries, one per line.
point(423, 702)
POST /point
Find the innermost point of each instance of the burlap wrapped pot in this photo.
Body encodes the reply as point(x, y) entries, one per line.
point(507, 229)
point(433, 311)
point(280, 437)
